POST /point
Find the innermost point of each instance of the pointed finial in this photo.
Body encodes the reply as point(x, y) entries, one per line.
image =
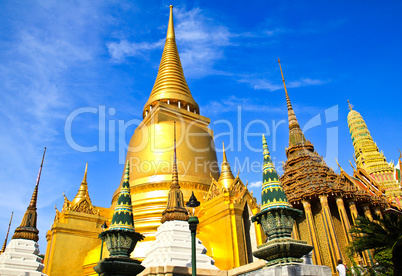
point(35, 193)
point(264, 146)
point(127, 173)
point(291, 115)
point(84, 180)
point(123, 213)
point(83, 189)
point(224, 152)
point(175, 209)
point(175, 175)
point(350, 105)
point(170, 31)
point(8, 231)
point(226, 178)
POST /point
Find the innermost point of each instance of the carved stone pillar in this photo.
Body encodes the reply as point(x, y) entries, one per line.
point(311, 228)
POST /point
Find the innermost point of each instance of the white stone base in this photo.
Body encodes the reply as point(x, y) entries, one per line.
point(172, 247)
point(290, 270)
point(20, 259)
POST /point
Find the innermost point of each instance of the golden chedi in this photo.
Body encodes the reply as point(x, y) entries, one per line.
point(150, 148)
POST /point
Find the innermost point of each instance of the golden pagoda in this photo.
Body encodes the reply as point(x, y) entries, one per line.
point(369, 159)
point(330, 202)
point(226, 203)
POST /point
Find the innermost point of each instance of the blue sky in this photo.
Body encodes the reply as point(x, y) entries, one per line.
point(59, 56)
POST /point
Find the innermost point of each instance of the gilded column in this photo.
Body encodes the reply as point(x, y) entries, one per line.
point(330, 232)
point(295, 232)
point(377, 211)
point(355, 214)
point(312, 233)
point(344, 219)
point(353, 211)
point(367, 212)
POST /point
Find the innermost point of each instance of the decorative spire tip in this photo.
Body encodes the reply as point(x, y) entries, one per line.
point(350, 105)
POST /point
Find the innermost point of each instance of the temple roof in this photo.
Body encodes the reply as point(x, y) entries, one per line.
point(170, 84)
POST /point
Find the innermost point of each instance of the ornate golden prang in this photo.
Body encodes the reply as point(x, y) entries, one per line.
point(369, 159)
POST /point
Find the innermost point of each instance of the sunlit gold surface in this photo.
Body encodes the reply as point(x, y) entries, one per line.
point(222, 225)
point(151, 159)
point(70, 239)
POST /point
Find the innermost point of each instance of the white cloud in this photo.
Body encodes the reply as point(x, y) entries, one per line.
point(41, 55)
point(255, 184)
point(263, 84)
point(120, 50)
point(200, 41)
point(233, 103)
point(305, 82)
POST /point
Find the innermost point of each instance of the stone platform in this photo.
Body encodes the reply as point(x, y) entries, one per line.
point(172, 247)
point(259, 269)
point(20, 258)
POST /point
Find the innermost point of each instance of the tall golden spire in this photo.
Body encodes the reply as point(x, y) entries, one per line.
point(175, 209)
point(83, 190)
point(8, 231)
point(295, 133)
point(170, 85)
point(226, 178)
point(27, 229)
